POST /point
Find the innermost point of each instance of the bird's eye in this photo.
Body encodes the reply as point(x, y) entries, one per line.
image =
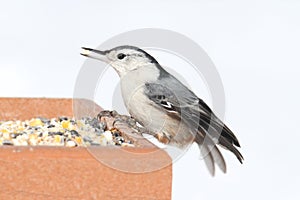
point(121, 56)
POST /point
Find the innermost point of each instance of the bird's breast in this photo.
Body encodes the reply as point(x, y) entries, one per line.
point(148, 113)
point(137, 103)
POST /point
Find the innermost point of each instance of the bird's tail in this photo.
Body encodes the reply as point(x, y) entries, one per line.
point(211, 155)
point(212, 134)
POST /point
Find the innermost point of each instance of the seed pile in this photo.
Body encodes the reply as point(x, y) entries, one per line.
point(62, 131)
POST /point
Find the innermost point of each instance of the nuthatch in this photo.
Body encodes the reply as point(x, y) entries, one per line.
point(166, 107)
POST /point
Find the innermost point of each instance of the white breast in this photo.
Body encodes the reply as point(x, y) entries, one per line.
point(137, 104)
point(146, 112)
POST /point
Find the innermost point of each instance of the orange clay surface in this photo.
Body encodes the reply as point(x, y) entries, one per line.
point(75, 173)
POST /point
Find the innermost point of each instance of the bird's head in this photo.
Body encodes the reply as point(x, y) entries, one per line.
point(122, 58)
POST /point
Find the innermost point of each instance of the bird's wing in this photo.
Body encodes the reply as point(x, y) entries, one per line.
point(182, 103)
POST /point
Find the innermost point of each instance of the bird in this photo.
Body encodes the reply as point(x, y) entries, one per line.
point(166, 107)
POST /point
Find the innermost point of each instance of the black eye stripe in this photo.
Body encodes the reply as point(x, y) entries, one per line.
point(121, 56)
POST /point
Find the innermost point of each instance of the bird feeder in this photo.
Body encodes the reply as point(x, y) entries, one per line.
point(44, 172)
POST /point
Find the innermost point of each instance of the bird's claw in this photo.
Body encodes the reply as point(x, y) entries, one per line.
point(107, 113)
point(128, 120)
point(131, 122)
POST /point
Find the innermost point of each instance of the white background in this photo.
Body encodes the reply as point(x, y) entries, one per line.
point(255, 46)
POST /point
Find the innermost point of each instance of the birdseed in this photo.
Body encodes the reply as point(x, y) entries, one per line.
point(61, 131)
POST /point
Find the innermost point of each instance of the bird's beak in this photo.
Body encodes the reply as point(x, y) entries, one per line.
point(94, 53)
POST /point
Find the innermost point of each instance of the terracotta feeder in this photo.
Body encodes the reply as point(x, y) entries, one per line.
point(96, 172)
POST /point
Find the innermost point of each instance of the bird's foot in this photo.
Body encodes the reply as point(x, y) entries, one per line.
point(107, 113)
point(131, 122)
point(125, 119)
